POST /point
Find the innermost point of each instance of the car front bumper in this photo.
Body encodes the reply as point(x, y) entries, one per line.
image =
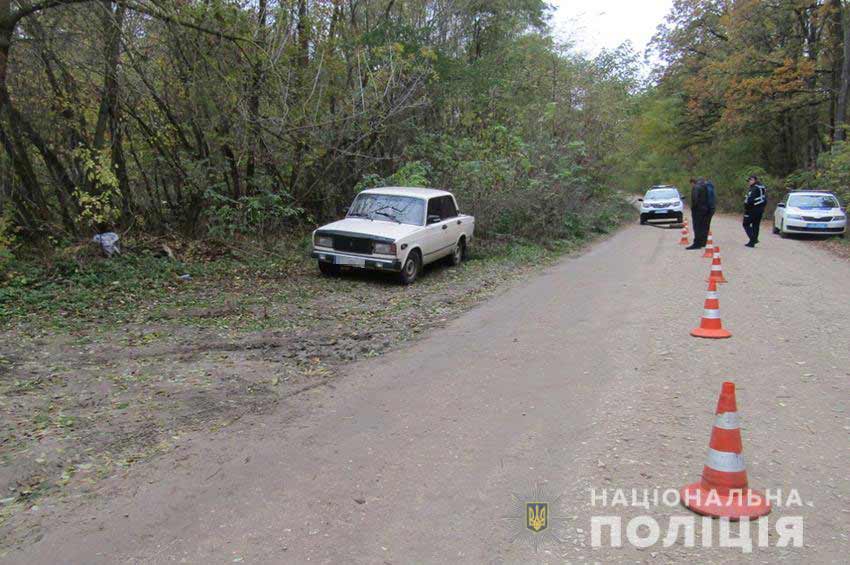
point(353, 260)
point(825, 228)
point(660, 214)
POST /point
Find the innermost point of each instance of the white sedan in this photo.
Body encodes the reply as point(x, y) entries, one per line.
point(809, 212)
point(397, 229)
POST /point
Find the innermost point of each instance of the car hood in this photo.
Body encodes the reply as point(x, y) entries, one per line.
point(815, 212)
point(376, 228)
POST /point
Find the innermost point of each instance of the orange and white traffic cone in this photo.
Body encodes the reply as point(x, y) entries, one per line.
point(723, 491)
point(709, 247)
point(710, 325)
point(716, 267)
point(684, 240)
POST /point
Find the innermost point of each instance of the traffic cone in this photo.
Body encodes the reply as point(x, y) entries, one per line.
point(710, 325)
point(709, 247)
point(684, 240)
point(723, 491)
point(716, 268)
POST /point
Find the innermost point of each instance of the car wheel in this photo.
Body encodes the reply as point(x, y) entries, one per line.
point(775, 229)
point(459, 253)
point(328, 269)
point(643, 220)
point(782, 233)
point(412, 267)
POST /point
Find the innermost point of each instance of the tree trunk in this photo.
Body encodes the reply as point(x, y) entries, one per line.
point(7, 28)
point(841, 106)
point(112, 22)
point(254, 101)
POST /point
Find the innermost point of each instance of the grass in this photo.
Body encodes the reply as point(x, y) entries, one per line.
point(76, 289)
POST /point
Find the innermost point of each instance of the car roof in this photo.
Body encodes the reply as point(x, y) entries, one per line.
point(408, 191)
point(812, 192)
point(663, 187)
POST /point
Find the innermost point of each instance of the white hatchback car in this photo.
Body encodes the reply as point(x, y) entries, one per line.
point(661, 203)
point(809, 212)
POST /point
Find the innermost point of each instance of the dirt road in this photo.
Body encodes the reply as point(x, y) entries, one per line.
point(583, 377)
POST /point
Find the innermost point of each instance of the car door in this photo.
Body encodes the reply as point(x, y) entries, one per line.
point(453, 223)
point(432, 240)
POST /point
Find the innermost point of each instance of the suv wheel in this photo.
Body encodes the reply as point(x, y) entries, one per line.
point(411, 268)
point(642, 220)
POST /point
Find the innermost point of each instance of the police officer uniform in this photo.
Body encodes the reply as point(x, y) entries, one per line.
point(754, 206)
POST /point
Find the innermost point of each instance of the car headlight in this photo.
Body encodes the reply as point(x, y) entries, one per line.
point(383, 248)
point(794, 217)
point(324, 241)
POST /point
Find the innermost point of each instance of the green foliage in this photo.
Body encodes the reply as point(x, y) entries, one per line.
point(833, 172)
point(99, 206)
point(413, 173)
point(259, 215)
point(7, 238)
point(208, 135)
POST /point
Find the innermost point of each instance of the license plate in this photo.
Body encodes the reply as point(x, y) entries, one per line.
point(818, 225)
point(351, 261)
point(661, 211)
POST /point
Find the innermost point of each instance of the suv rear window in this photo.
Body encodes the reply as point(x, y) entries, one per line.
point(662, 194)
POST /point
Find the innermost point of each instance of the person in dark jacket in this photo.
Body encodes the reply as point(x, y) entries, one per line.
point(699, 213)
point(754, 206)
point(712, 206)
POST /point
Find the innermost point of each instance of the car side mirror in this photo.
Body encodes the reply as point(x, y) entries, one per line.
point(781, 205)
point(434, 219)
point(640, 199)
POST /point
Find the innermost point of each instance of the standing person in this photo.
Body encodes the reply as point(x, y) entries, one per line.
point(699, 213)
point(712, 206)
point(754, 209)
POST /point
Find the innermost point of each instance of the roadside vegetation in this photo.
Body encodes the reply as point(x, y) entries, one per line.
point(746, 88)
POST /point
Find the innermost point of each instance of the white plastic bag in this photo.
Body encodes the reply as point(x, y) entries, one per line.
point(108, 242)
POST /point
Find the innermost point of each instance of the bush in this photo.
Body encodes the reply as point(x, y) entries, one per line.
point(259, 214)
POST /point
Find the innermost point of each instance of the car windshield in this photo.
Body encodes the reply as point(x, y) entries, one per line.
point(389, 208)
point(662, 194)
point(813, 201)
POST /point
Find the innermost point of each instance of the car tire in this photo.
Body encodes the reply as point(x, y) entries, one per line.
point(459, 253)
point(642, 220)
point(775, 229)
point(679, 219)
point(782, 233)
point(411, 268)
point(328, 269)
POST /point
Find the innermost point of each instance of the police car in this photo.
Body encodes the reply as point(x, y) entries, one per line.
point(661, 202)
point(810, 211)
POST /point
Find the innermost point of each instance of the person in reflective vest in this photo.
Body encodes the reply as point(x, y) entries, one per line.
point(754, 209)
